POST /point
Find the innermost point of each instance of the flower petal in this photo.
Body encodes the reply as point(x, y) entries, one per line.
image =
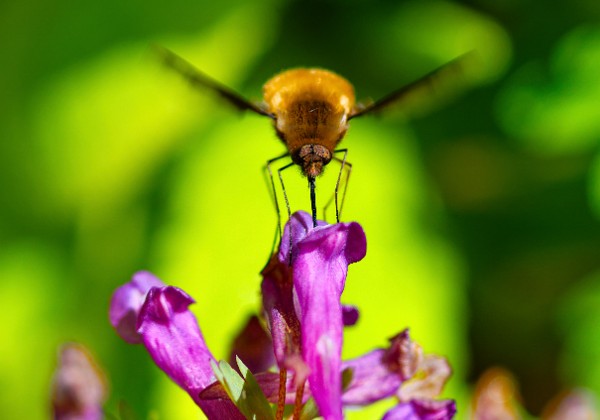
point(320, 259)
point(126, 303)
point(404, 355)
point(372, 380)
point(269, 383)
point(279, 311)
point(422, 410)
point(171, 335)
point(253, 346)
point(434, 373)
point(380, 373)
point(350, 315)
point(299, 225)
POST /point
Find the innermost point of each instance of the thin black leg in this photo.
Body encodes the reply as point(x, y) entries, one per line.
point(344, 165)
point(274, 191)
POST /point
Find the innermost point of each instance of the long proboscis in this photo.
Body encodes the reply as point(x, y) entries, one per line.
point(200, 80)
point(430, 83)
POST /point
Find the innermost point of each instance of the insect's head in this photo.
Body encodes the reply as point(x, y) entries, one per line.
point(312, 158)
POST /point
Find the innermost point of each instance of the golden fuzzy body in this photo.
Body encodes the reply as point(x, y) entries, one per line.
point(310, 109)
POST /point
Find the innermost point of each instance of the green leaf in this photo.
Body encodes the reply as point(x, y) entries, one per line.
point(254, 396)
point(243, 390)
point(230, 379)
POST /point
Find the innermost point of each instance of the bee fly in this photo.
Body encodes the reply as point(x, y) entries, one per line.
point(310, 110)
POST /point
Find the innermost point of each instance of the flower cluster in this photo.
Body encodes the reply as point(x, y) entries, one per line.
point(304, 321)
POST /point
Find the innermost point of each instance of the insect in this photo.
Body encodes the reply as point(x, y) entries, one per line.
point(310, 110)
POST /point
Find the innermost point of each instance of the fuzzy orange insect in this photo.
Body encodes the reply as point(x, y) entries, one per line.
point(310, 109)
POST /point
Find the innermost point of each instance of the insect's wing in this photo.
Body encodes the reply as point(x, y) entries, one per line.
point(428, 85)
point(201, 80)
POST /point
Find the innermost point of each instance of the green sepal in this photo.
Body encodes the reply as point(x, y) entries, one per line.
point(243, 390)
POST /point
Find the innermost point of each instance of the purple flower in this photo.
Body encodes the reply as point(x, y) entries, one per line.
point(171, 335)
point(301, 289)
point(401, 370)
point(380, 373)
point(302, 303)
point(127, 302)
point(78, 386)
point(422, 410)
point(426, 377)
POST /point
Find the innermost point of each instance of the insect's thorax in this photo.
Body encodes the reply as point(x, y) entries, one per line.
point(311, 109)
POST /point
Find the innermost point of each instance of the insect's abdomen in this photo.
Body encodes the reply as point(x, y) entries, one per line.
point(311, 121)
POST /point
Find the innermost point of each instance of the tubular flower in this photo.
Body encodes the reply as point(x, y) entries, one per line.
point(301, 291)
point(302, 288)
point(127, 302)
point(170, 333)
point(401, 370)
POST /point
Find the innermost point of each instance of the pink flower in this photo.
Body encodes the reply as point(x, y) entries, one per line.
point(301, 289)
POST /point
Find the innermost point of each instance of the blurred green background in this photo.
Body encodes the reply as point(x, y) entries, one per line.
point(482, 216)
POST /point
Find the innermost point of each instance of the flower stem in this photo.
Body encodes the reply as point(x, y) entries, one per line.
point(298, 402)
point(281, 396)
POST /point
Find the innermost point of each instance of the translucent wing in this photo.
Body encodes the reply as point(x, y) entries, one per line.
point(431, 84)
point(201, 80)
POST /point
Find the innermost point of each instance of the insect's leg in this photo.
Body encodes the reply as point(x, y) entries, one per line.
point(285, 197)
point(287, 205)
point(348, 165)
point(271, 181)
point(344, 165)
